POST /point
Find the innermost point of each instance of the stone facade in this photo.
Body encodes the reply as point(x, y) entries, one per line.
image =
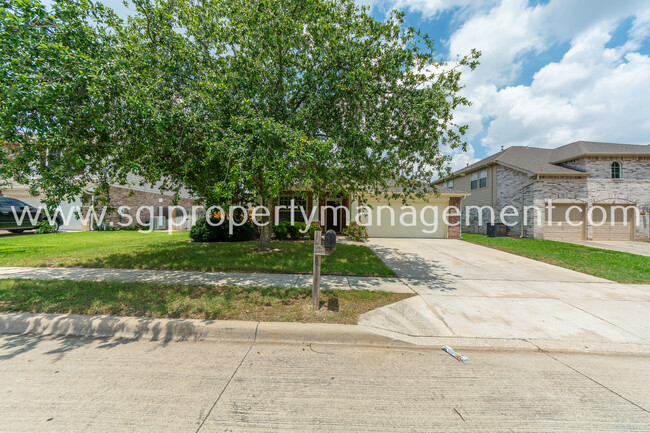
point(598, 188)
point(509, 187)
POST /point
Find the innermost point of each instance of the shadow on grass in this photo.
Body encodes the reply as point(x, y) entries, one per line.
point(290, 257)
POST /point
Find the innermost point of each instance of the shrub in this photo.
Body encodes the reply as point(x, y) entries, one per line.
point(284, 230)
point(45, 228)
point(298, 231)
point(356, 232)
point(203, 232)
point(313, 228)
point(245, 232)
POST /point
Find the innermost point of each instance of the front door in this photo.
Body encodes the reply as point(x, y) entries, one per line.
point(333, 216)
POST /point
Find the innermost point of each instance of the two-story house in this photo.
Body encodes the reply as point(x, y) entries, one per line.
point(587, 183)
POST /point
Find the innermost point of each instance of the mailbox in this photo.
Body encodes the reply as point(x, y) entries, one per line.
point(330, 239)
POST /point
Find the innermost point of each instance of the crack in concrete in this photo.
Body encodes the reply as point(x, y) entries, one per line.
point(229, 380)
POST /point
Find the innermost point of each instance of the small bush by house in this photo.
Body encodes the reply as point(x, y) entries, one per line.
point(203, 232)
point(356, 232)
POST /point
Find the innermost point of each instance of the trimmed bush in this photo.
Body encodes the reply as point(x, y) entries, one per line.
point(281, 230)
point(245, 232)
point(284, 230)
point(204, 232)
point(313, 228)
point(356, 232)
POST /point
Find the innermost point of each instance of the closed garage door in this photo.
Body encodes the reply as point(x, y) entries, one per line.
point(614, 227)
point(566, 225)
point(428, 216)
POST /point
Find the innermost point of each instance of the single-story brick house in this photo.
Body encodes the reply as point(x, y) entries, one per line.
point(575, 177)
point(380, 224)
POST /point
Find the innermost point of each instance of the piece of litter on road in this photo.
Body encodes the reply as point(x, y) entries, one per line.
point(453, 353)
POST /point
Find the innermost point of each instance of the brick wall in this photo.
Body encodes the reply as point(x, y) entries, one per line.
point(509, 185)
point(595, 190)
point(134, 200)
point(453, 230)
point(637, 168)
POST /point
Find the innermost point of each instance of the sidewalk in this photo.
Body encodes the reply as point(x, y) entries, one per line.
point(571, 316)
point(340, 282)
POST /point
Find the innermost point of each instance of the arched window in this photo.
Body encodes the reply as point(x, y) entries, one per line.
point(616, 170)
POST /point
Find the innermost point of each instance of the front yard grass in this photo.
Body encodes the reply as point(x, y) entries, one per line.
point(612, 265)
point(159, 250)
point(187, 302)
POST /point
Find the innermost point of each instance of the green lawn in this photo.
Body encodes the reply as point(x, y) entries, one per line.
point(612, 265)
point(188, 302)
point(158, 250)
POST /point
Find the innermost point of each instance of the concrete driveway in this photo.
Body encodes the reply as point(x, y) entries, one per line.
point(641, 248)
point(467, 290)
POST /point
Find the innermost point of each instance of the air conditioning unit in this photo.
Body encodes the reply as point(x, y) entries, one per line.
point(159, 223)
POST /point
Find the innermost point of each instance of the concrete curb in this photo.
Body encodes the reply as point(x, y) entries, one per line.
point(132, 328)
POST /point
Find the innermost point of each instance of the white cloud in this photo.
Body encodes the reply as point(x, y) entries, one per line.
point(593, 93)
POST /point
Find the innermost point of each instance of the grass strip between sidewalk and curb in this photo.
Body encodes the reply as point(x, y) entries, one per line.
point(175, 251)
point(189, 302)
point(612, 265)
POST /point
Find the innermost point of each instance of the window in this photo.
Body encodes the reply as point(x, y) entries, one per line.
point(482, 179)
point(450, 183)
point(9, 202)
point(478, 179)
point(298, 202)
point(616, 170)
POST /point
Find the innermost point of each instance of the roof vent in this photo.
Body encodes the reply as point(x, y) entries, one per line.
point(501, 148)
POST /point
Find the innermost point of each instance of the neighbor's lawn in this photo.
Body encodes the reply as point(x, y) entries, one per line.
point(612, 265)
point(187, 302)
point(157, 250)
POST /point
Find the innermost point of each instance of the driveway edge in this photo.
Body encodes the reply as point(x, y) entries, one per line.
point(133, 328)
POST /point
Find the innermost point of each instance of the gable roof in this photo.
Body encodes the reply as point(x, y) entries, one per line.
point(536, 160)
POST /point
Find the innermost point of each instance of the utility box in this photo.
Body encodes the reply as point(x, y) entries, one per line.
point(497, 230)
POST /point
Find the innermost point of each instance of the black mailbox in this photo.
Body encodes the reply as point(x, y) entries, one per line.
point(330, 239)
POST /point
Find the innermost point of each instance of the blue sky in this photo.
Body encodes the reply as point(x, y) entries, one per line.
point(552, 71)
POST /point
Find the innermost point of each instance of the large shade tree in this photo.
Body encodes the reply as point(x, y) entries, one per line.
point(240, 100)
point(56, 115)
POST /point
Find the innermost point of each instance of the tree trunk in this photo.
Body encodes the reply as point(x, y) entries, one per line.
point(265, 237)
point(267, 230)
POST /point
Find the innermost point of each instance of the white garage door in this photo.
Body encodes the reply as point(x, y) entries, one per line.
point(565, 226)
point(614, 227)
point(391, 221)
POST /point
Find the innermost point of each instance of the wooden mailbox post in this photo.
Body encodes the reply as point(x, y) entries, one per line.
point(321, 250)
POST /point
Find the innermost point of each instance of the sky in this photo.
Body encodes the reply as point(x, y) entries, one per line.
point(552, 71)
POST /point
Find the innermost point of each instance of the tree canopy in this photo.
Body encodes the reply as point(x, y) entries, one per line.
point(233, 99)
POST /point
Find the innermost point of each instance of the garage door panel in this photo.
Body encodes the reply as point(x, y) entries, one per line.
point(384, 228)
point(619, 230)
point(564, 233)
point(565, 226)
